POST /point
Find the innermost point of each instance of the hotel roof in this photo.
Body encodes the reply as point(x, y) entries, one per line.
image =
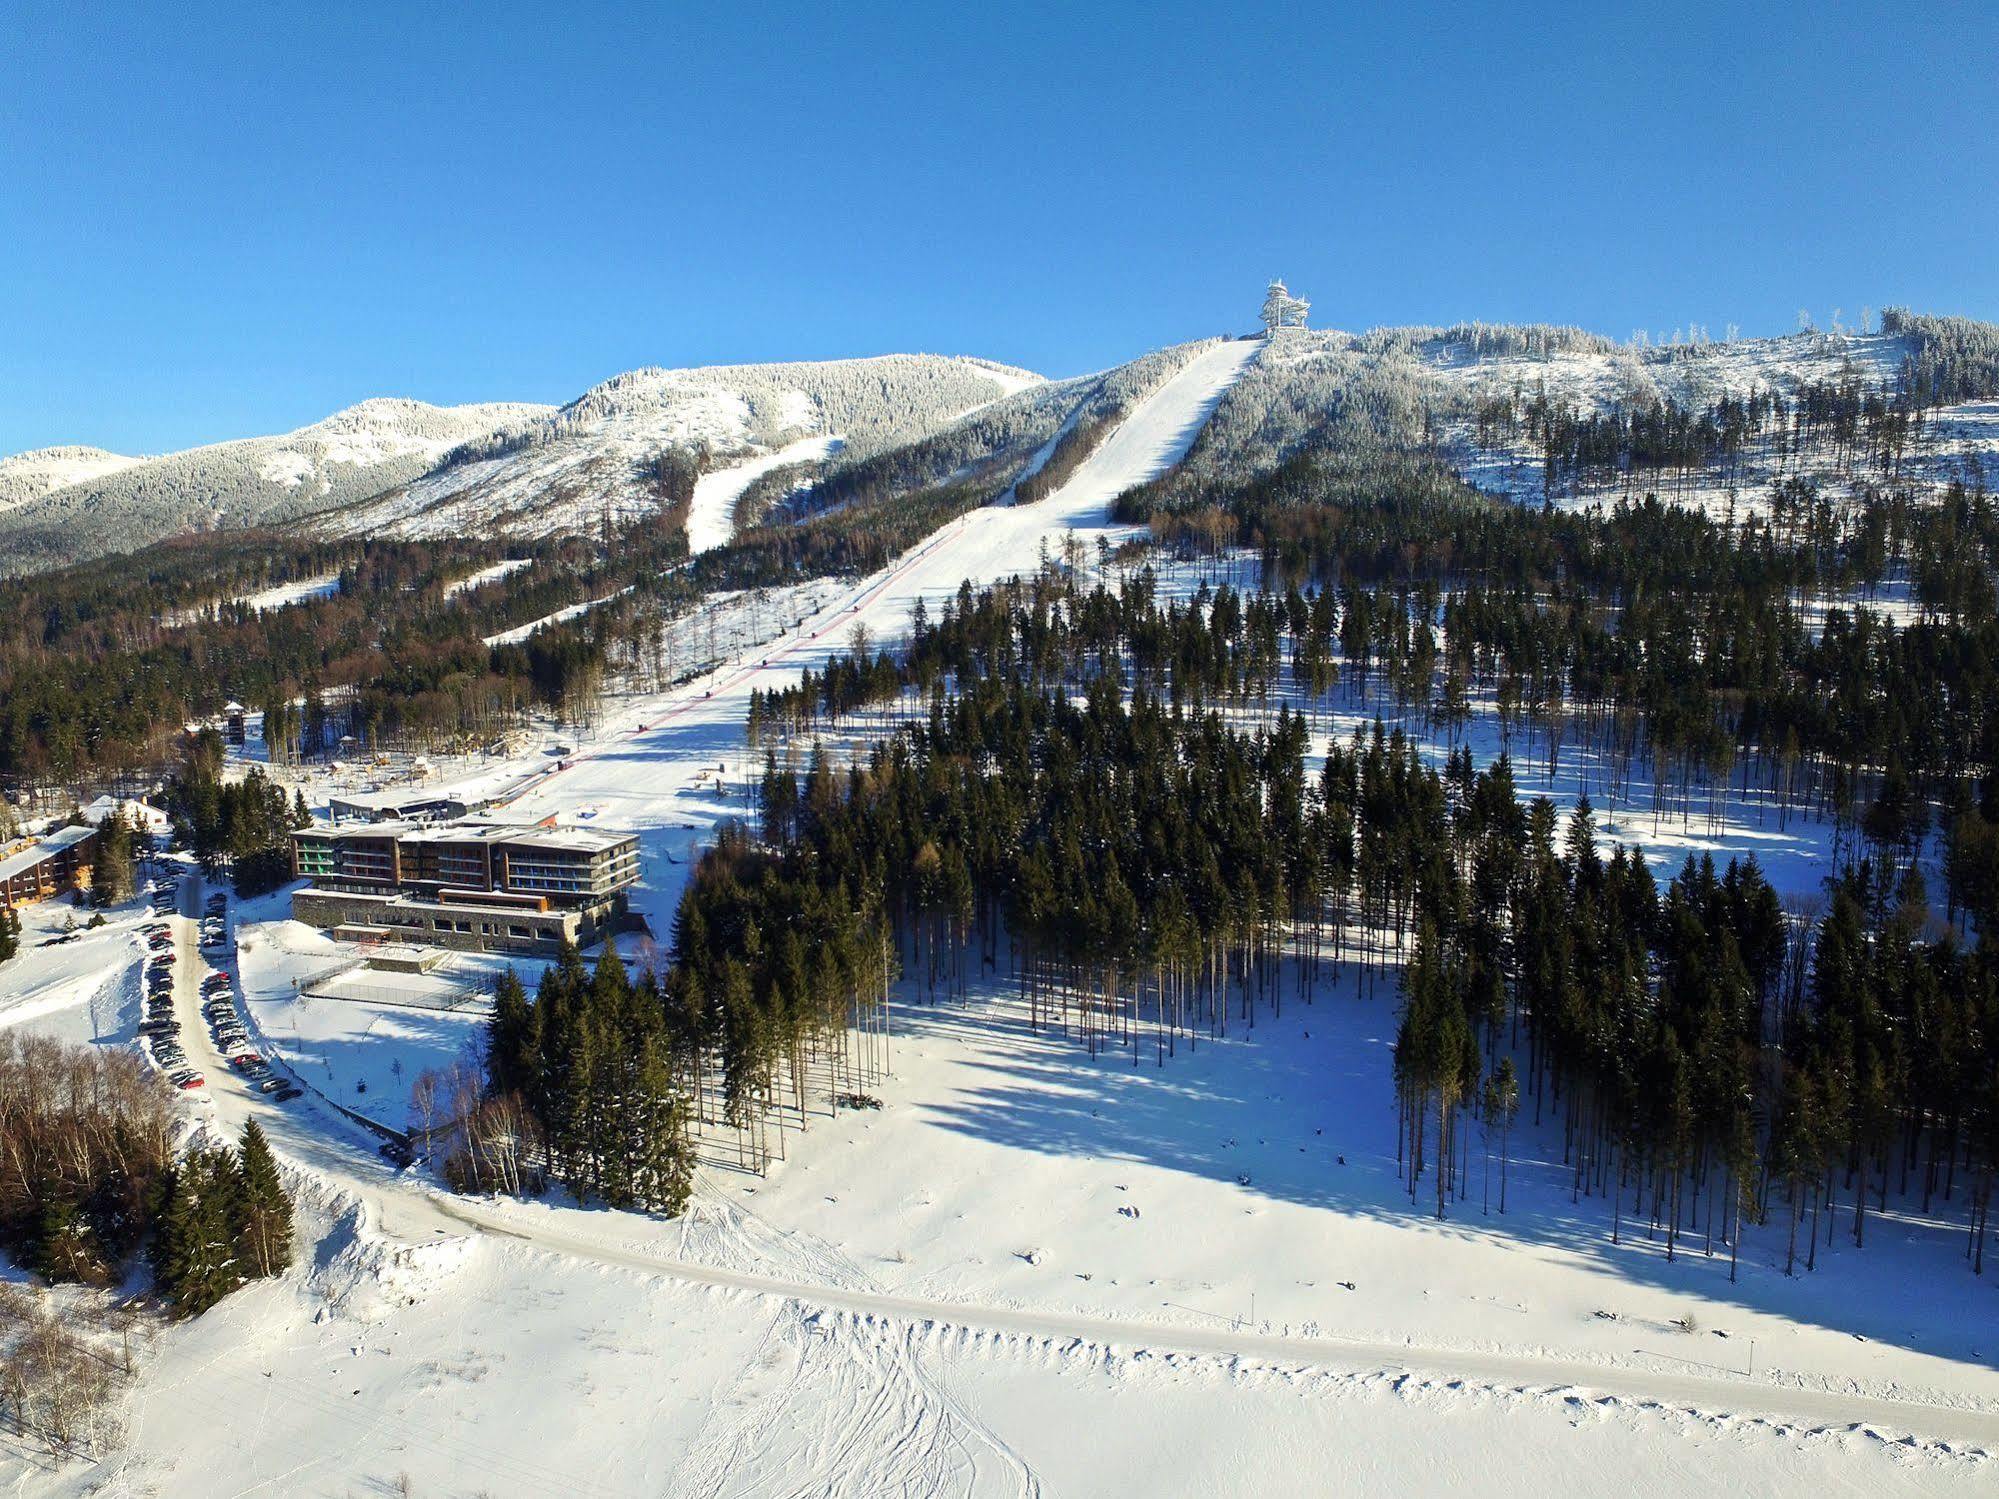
point(50, 846)
point(515, 834)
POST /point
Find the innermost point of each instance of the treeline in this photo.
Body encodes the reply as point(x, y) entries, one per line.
point(845, 542)
point(583, 1086)
point(1147, 870)
point(86, 1140)
point(1847, 425)
point(102, 683)
point(89, 1177)
point(1725, 644)
point(1888, 732)
point(1955, 359)
point(224, 1220)
point(606, 1083)
point(994, 438)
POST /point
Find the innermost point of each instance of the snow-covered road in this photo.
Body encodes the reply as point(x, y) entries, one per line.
point(1555, 1377)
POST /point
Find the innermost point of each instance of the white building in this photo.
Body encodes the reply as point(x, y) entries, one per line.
point(144, 816)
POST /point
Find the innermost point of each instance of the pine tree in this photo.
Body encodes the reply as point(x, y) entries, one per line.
point(112, 870)
point(194, 1246)
point(512, 1043)
point(264, 1222)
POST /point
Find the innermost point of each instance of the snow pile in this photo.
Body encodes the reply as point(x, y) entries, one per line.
point(363, 1274)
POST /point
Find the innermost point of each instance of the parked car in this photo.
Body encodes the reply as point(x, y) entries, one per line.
point(191, 1080)
point(287, 1092)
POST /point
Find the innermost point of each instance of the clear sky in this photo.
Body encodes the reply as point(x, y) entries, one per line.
point(219, 221)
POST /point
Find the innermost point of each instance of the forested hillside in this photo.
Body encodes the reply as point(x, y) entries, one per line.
point(345, 458)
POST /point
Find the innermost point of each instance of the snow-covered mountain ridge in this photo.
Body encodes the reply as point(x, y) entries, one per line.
point(598, 455)
point(29, 476)
point(410, 468)
point(59, 505)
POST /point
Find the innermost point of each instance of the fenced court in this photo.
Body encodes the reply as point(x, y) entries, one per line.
point(414, 991)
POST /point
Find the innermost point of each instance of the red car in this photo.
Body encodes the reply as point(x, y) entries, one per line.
point(195, 1080)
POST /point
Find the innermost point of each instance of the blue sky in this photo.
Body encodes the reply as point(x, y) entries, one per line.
point(221, 222)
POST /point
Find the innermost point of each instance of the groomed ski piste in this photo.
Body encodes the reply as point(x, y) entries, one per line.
point(1031, 1272)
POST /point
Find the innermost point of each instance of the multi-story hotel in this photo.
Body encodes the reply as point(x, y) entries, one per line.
point(475, 885)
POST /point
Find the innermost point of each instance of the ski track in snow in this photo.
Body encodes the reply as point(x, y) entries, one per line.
point(845, 1407)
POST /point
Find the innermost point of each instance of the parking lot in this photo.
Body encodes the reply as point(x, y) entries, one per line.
point(194, 1028)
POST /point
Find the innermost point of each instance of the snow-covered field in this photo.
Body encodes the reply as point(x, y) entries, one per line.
point(71, 980)
point(1031, 1271)
point(947, 1297)
point(358, 1036)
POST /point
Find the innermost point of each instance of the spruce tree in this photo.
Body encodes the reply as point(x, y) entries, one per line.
point(112, 872)
point(194, 1246)
point(264, 1209)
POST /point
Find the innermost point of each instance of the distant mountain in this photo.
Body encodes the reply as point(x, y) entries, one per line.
point(599, 453)
point(406, 468)
point(62, 504)
point(29, 476)
point(1535, 413)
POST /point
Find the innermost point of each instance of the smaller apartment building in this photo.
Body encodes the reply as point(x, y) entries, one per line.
point(473, 885)
point(55, 866)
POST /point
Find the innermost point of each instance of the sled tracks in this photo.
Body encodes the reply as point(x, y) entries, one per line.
point(840, 1405)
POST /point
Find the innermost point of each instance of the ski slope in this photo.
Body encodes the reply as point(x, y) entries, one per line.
point(938, 1298)
point(711, 517)
point(655, 769)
